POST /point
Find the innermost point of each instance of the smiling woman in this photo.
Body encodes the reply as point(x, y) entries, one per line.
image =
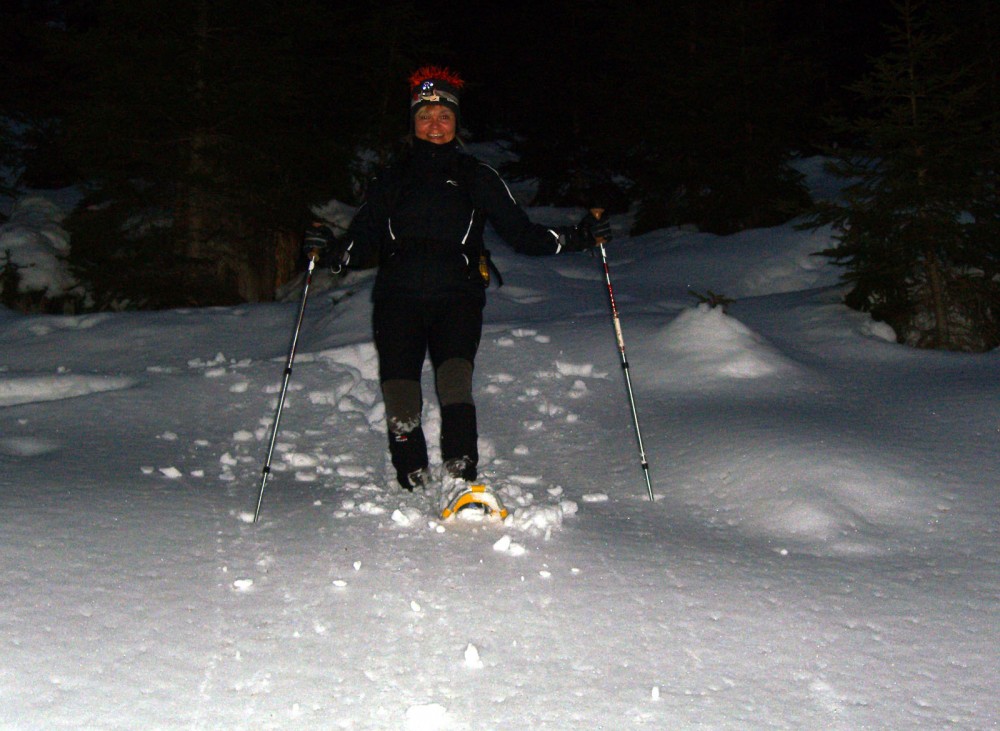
point(434, 106)
point(435, 123)
point(422, 225)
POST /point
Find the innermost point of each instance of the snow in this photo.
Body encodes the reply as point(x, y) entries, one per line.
point(38, 244)
point(822, 551)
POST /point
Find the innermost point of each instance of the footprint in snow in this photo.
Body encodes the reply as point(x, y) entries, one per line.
point(26, 446)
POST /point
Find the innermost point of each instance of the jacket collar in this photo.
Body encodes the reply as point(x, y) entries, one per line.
point(424, 150)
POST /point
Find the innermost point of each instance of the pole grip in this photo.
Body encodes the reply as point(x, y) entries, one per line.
point(597, 213)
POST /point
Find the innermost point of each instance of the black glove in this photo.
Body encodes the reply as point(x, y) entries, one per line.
point(594, 230)
point(319, 241)
point(590, 232)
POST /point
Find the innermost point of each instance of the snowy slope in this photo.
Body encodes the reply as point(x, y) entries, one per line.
point(823, 550)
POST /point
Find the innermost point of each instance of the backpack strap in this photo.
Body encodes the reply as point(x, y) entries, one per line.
point(467, 169)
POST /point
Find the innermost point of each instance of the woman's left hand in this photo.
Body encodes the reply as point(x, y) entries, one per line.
point(590, 232)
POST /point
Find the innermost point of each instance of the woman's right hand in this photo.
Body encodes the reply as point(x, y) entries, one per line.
point(319, 239)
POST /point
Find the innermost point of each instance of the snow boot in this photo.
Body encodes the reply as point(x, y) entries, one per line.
point(409, 457)
point(459, 441)
point(460, 468)
point(418, 479)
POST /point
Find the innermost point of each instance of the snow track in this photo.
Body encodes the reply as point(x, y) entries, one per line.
point(822, 553)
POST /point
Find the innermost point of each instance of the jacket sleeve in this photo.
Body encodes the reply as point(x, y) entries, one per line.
point(509, 219)
point(364, 236)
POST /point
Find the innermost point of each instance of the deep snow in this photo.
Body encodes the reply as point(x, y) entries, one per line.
point(822, 554)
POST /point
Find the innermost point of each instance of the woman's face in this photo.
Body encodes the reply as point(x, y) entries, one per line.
point(434, 123)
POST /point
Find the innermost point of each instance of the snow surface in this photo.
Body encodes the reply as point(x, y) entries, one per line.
point(822, 553)
point(37, 244)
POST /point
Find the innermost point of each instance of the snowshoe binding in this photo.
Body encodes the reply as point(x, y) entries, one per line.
point(465, 496)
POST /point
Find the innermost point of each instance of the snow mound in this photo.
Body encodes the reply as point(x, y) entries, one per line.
point(792, 267)
point(844, 505)
point(361, 358)
point(38, 244)
point(14, 391)
point(705, 344)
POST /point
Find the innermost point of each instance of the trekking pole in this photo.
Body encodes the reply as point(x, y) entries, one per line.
point(284, 386)
point(597, 213)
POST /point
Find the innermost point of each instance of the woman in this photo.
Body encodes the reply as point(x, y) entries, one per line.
point(422, 225)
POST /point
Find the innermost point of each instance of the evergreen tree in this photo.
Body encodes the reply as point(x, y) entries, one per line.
point(691, 111)
point(978, 38)
point(916, 228)
point(204, 129)
point(27, 110)
point(730, 115)
point(572, 112)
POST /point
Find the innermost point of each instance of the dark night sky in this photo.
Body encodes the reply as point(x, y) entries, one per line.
point(500, 46)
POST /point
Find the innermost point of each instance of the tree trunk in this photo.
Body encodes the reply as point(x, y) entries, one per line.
point(195, 214)
point(935, 280)
point(286, 258)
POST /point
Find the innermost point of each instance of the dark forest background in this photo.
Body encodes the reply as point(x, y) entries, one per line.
point(202, 132)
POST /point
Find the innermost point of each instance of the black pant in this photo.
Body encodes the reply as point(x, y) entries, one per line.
point(406, 331)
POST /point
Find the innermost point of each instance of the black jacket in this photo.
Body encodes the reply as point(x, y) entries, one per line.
point(422, 224)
